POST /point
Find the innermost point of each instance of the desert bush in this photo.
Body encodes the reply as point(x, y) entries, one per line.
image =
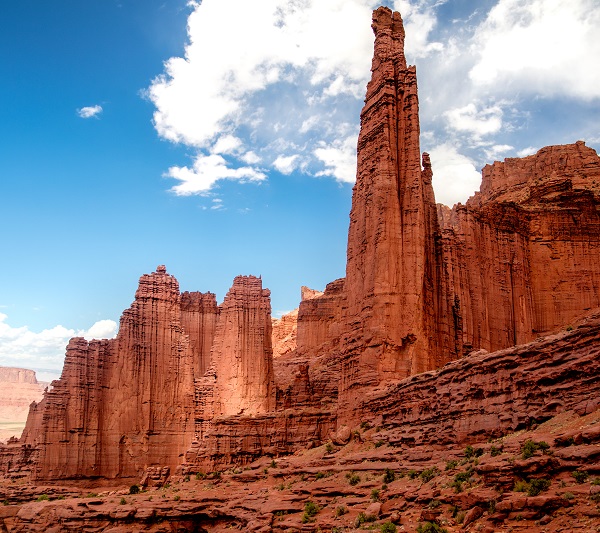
point(389, 475)
point(428, 474)
point(580, 476)
point(341, 510)
point(538, 485)
point(353, 478)
point(388, 527)
point(134, 489)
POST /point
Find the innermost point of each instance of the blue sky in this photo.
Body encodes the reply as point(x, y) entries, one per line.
point(218, 138)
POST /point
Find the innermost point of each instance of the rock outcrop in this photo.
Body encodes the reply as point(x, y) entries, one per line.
point(123, 404)
point(522, 255)
point(242, 356)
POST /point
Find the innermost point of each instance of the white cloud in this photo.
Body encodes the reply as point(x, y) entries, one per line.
point(90, 111)
point(498, 151)
point(286, 164)
point(22, 347)
point(206, 171)
point(546, 47)
point(530, 150)
point(339, 158)
point(474, 120)
point(226, 144)
point(455, 177)
point(103, 329)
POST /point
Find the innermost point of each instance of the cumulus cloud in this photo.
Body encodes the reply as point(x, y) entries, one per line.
point(288, 77)
point(21, 347)
point(90, 111)
point(296, 70)
point(206, 171)
point(546, 47)
point(455, 177)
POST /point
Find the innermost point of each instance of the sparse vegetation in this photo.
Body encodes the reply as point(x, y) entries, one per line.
point(389, 475)
point(319, 475)
point(428, 474)
point(530, 447)
point(42, 497)
point(379, 443)
point(329, 447)
point(538, 485)
point(568, 496)
point(374, 495)
point(177, 498)
point(134, 489)
point(388, 527)
point(430, 527)
point(494, 452)
point(580, 476)
point(412, 474)
point(353, 478)
point(341, 510)
point(123, 501)
point(451, 465)
point(310, 510)
point(521, 486)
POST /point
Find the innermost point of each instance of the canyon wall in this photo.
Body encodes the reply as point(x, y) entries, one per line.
point(522, 254)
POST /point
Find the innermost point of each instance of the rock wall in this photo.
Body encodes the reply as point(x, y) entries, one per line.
point(395, 295)
point(242, 356)
point(124, 404)
point(320, 319)
point(491, 394)
point(199, 316)
point(522, 255)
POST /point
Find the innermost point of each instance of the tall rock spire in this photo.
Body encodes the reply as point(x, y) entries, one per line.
point(393, 267)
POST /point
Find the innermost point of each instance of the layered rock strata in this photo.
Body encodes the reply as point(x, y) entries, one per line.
point(395, 314)
point(522, 255)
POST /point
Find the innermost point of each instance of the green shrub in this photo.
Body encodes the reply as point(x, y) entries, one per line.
point(580, 476)
point(430, 527)
point(388, 527)
point(568, 496)
point(596, 481)
point(42, 497)
point(495, 451)
point(310, 510)
point(412, 474)
point(388, 475)
point(469, 451)
point(463, 476)
point(460, 517)
point(177, 498)
point(428, 474)
point(379, 443)
point(360, 519)
point(319, 475)
point(329, 447)
point(528, 449)
point(451, 465)
point(134, 489)
point(341, 510)
point(123, 501)
point(434, 504)
point(353, 478)
point(538, 485)
point(521, 486)
point(374, 495)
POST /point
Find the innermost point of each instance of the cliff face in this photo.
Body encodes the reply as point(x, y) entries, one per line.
point(393, 286)
point(242, 356)
point(522, 255)
point(123, 404)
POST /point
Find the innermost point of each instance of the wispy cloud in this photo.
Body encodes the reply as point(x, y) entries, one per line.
point(89, 111)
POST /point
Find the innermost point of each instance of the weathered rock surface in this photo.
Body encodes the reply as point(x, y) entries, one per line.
point(522, 255)
point(285, 330)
